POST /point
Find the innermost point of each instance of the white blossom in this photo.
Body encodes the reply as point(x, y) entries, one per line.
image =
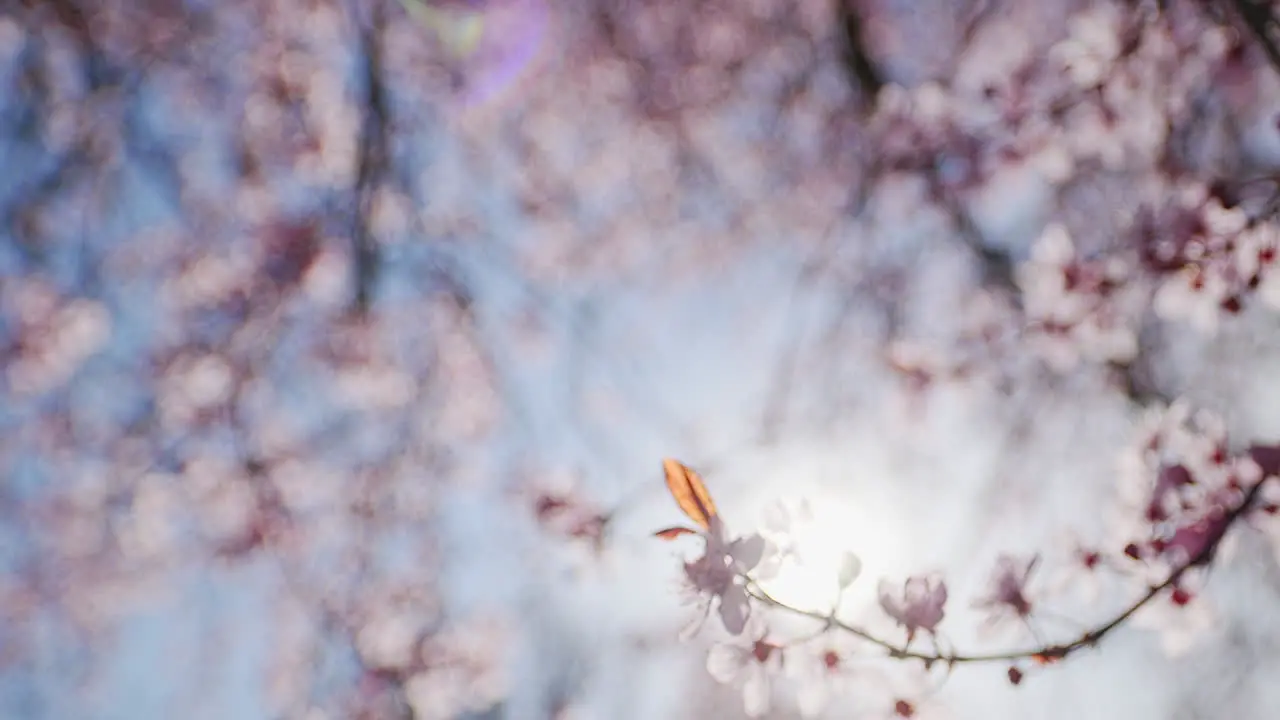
point(752, 661)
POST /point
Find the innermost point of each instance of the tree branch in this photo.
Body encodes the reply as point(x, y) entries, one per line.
point(372, 159)
point(1260, 20)
point(1048, 652)
point(856, 59)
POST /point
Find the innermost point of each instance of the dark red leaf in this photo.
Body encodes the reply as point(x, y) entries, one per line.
point(672, 533)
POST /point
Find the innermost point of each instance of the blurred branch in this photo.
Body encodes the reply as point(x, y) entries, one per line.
point(996, 265)
point(1133, 379)
point(66, 13)
point(856, 59)
point(107, 86)
point(372, 158)
point(1260, 19)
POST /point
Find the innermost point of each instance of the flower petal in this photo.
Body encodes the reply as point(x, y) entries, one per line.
point(691, 629)
point(771, 565)
point(724, 662)
point(747, 551)
point(776, 517)
point(755, 691)
point(850, 569)
point(813, 693)
point(734, 608)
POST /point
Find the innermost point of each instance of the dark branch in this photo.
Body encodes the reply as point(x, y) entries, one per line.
point(1261, 22)
point(372, 159)
point(1134, 379)
point(856, 59)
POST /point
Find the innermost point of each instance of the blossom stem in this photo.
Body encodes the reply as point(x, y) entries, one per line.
point(1045, 652)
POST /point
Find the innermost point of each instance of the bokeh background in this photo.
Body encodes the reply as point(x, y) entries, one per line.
point(342, 339)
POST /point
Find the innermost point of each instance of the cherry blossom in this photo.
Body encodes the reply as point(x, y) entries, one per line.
point(1080, 309)
point(1007, 597)
point(821, 671)
point(918, 606)
point(1178, 486)
point(753, 662)
point(718, 576)
point(1181, 618)
point(1214, 257)
point(1092, 46)
point(1076, 576)
point(900, 693)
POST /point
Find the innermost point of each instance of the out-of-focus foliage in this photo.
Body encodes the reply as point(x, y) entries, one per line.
point(273, 274)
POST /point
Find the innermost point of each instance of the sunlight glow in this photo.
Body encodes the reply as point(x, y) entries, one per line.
point(814, 550)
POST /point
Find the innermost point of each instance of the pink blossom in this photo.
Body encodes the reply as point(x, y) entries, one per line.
point(719, 575)
point(1007, 598)
point(1080, 309)
point(1180, 487)
point(1181, 618)
point(898, 693)
point(752, 663)
point(1092, 46)
point(1077, 577)
point(820, 674)
point(919, 606)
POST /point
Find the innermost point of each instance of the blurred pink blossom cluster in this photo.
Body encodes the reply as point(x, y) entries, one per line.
point(264, 264)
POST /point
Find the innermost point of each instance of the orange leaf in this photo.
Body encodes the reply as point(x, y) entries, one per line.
point(672, 533)
point(690, 494)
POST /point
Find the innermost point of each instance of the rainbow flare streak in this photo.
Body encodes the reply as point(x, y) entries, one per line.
point(499, 43)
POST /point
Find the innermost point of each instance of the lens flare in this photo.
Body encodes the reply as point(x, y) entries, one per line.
point(815, 551)
point(495, 42)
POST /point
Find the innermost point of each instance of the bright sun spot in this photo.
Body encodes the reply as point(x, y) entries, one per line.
point(814, 549)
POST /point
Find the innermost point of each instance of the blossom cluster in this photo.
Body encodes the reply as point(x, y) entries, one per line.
point(1210, 258)
point(1139, 225)
point(1182, 491)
